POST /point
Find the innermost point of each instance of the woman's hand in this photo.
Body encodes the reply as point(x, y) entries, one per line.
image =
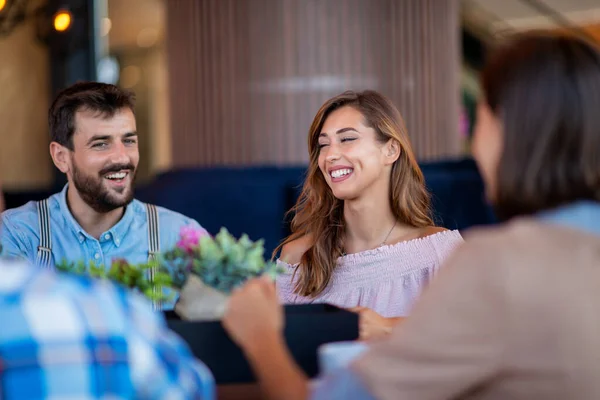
point(254, 315)
point(254, 320)
point(372, 325)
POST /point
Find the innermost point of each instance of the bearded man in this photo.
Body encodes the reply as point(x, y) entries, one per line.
point(95, 218)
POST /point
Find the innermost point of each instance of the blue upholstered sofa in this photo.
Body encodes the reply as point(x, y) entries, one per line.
point(255, 200)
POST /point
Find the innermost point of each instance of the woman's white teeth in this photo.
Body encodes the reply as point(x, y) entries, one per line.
point(340, 172)
point(118, 175)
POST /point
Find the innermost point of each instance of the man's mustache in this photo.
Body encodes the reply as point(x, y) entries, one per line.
point(117, 168)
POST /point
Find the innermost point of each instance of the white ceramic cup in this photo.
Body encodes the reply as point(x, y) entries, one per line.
point(333, 356)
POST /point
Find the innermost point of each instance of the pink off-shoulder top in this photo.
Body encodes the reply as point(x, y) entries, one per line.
point(387, 280)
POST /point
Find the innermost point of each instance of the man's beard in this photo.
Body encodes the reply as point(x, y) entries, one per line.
point(96, 195)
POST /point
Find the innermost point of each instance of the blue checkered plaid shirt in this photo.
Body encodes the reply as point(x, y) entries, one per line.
point(64, 337)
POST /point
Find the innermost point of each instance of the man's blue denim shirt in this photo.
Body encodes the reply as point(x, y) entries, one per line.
point(128, 239)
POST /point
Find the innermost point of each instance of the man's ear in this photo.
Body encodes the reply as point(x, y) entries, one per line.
point(392, 150)
point(60, 157)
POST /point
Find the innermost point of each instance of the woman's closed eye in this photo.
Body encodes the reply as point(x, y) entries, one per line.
point(342, 140)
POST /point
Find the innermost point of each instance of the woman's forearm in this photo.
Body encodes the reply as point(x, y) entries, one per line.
point(279, 376)
point(393, 321)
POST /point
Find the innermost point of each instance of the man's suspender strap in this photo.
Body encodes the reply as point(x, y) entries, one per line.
point(44, 252)
point(153, 246)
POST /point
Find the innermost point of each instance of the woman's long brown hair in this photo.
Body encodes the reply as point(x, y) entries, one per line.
point(319, 215)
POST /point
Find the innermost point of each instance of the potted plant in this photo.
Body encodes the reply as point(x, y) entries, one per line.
point(204, 270)
point(132, 276)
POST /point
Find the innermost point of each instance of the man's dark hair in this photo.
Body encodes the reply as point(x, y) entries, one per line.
point(545, 89)
point(105, 99)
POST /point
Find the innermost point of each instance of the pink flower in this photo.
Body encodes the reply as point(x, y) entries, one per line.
point(189, 238)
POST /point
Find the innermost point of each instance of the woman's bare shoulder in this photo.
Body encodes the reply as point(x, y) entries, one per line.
point(431, 230)
point(293, 251)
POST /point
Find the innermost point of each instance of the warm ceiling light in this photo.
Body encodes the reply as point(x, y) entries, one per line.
point(2, 4)
point(62, 20)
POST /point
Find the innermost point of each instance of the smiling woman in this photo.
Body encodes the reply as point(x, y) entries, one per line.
point(362, 235)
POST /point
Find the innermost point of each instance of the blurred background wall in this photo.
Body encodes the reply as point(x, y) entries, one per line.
point(24, 96)
point(236, 82)
point(247, 77)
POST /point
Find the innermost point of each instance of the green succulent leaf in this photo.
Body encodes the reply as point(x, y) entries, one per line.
point(223, 263)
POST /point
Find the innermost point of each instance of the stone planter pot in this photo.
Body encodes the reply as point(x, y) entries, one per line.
point(199, 302)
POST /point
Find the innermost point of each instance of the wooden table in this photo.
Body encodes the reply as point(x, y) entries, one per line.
point(240, 391)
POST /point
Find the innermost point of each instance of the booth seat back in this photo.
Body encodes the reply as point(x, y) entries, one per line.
point(255, 200)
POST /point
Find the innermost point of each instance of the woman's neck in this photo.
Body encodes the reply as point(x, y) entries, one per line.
point(93, 222)
point(369, 223)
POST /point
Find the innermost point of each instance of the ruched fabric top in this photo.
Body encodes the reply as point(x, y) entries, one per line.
point(387, 279)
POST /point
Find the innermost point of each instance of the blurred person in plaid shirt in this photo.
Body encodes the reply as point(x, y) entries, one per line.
point(67, 337)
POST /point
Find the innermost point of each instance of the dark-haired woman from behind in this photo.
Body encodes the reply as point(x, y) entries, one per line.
point(362, 236)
